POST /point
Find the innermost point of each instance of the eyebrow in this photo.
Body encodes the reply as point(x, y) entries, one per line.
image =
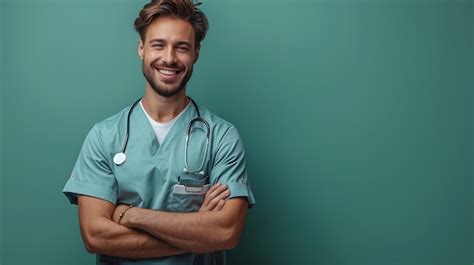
point(177, 43)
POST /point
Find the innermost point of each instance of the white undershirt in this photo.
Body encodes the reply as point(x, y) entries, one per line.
point(162, 128)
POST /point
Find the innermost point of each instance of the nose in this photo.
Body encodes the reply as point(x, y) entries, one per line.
point(169, 56)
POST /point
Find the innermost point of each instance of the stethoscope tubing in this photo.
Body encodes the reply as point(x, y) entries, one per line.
point(188, 133)
point(120, 157)
point(128, 125)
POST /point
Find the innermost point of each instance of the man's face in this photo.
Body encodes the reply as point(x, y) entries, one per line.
point(168, 54)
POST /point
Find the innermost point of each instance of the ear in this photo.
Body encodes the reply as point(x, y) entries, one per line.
point(140, 48)
point(196, 54)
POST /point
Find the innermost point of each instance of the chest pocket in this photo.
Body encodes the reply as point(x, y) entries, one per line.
point(183, 199)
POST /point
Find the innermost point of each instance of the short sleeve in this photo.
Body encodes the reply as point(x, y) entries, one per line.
point(92, 175)
point(229, 166)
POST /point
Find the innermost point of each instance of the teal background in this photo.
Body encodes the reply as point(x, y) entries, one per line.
point(357, 117)
point(2, 105)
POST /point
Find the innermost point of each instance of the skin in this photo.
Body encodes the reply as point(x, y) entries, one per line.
point(101, 233)
point(198, 232)
point(168, 45)
point(103, 236)
point(175, 54)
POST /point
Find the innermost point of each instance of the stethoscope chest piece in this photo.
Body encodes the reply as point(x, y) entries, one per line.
point(119, 158)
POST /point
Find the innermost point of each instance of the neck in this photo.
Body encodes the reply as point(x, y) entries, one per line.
point(163, 109)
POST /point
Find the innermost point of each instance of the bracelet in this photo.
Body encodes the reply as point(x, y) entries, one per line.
point(123, 213)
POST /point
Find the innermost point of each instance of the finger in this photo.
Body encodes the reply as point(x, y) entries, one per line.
point(217, 185)
point(213, 203)
point(212, 196)
point(223, 195)
point(217, 191)
point(208, 197)
point(219, 205)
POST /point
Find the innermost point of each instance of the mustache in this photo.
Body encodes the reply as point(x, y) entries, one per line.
point(166, 65)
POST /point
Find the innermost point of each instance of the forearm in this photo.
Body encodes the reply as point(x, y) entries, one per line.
point(104, 236)
point(108, 238)
point(197, 232)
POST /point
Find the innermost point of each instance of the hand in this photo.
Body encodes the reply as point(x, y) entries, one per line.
point(215, 198)
point(118, 210)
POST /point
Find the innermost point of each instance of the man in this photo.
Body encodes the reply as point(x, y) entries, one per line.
point(136, 204)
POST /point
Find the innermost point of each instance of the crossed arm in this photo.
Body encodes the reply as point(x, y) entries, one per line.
point(144, 233)
point(197, 232)
point(102, 235)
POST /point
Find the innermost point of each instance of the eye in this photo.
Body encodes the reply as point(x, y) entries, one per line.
point(182, 49)
point(157, 45)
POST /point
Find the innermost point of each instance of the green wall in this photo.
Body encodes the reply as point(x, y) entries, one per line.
point(2, 105)
point(357, 117)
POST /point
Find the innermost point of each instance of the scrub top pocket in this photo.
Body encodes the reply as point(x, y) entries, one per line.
point(188, 202)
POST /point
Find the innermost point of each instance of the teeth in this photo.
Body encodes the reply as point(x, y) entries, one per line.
point(167, 72)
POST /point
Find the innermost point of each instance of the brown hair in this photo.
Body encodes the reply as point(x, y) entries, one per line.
point(183, 9)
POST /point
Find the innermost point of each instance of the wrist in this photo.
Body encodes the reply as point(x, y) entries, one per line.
point(124, 215)
point(128, 219)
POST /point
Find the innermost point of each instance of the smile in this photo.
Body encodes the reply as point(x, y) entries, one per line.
point(169, 75)
point(169, 72)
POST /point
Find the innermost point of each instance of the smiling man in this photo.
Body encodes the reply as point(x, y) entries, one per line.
point(164, 180)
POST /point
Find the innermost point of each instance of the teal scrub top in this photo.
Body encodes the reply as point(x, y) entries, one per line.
point(147, 177)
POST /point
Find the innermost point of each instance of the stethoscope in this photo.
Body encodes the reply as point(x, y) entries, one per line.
point(120, 157)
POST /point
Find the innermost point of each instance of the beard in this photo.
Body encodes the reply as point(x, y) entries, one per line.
point(148, 73)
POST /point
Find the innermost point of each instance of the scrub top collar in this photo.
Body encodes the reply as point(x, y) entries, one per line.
point(140, 125)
